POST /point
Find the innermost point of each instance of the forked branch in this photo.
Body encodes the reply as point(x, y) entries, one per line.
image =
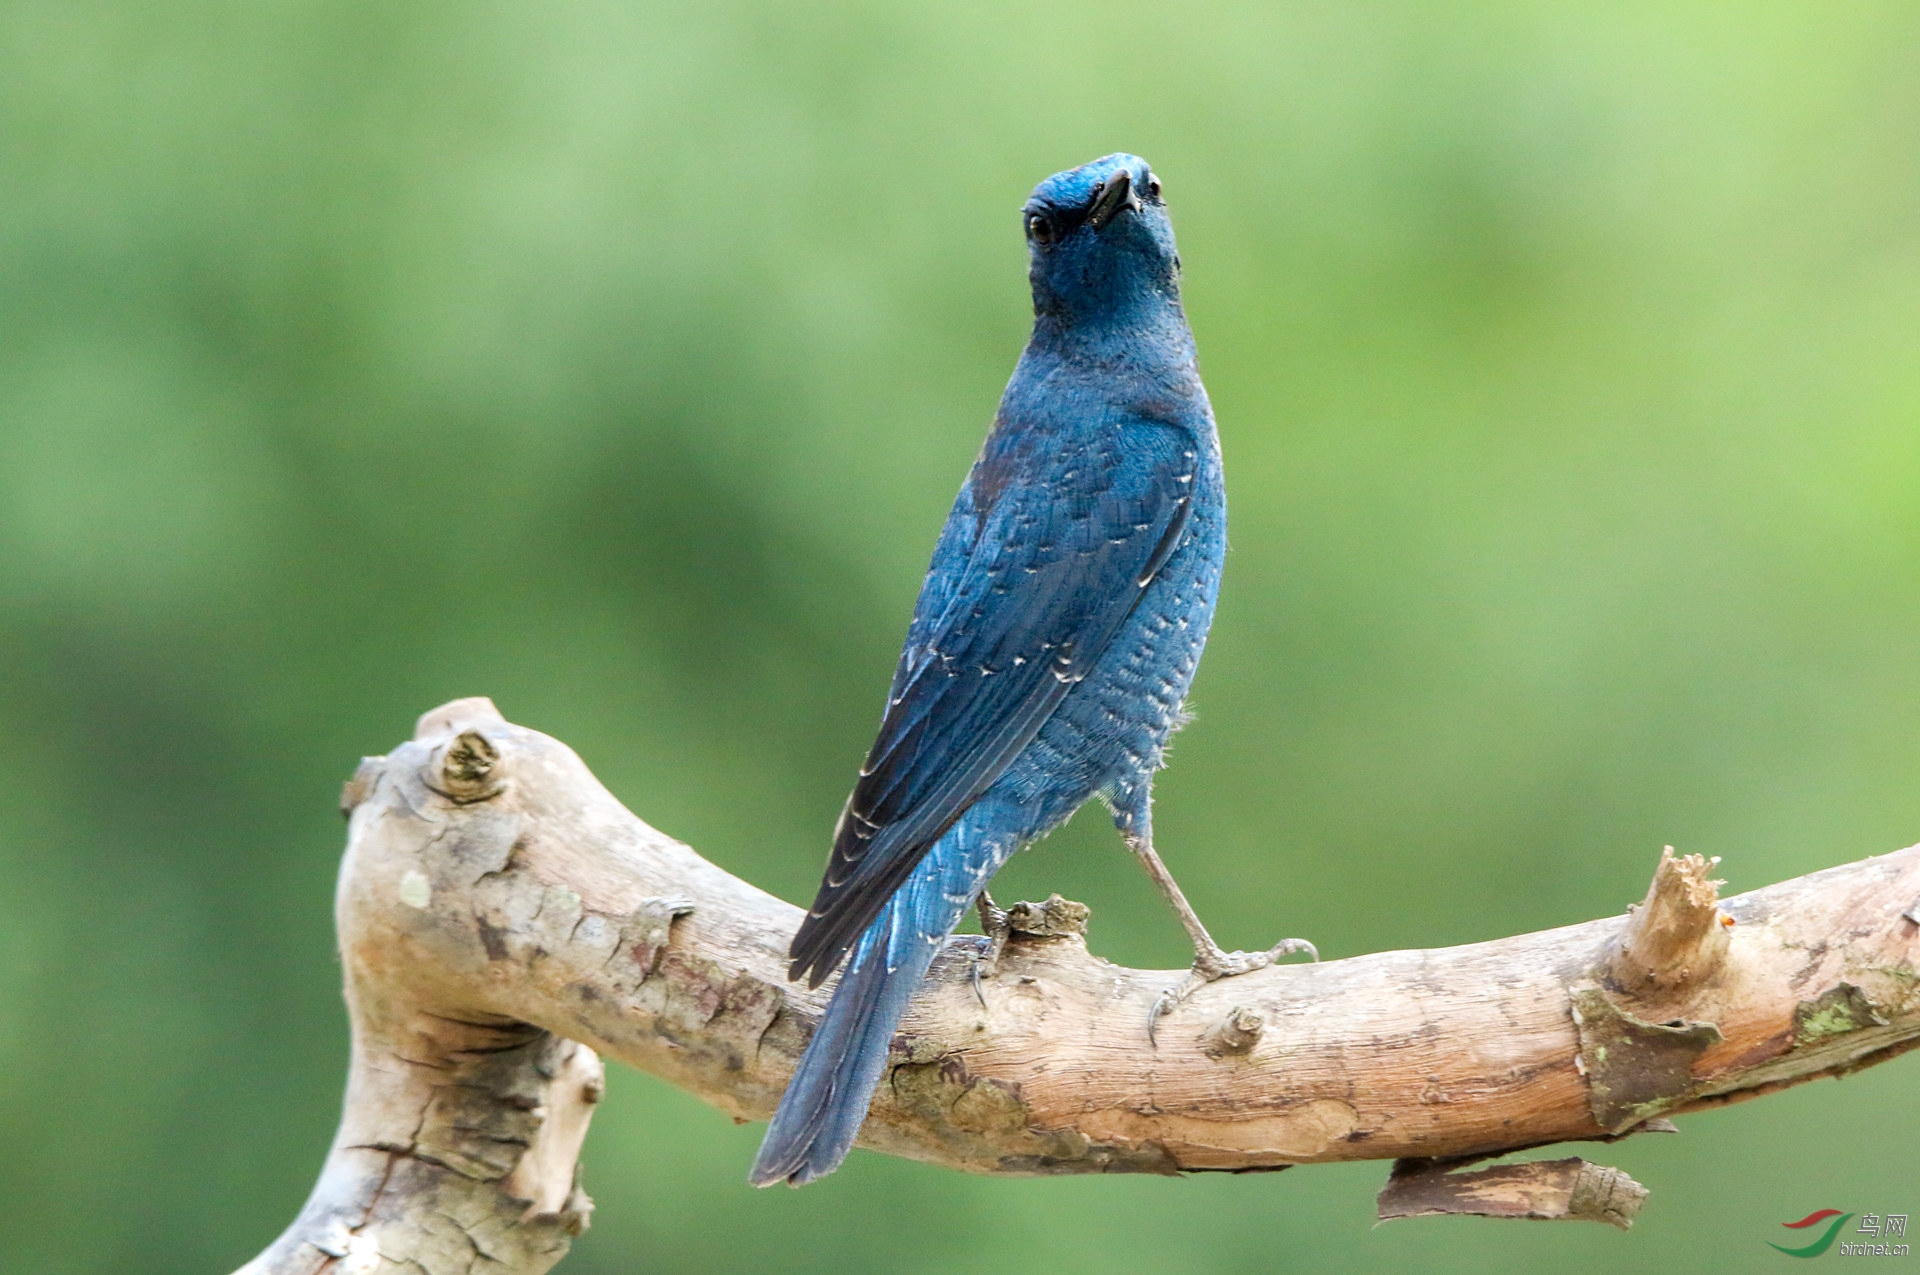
point(496, 905)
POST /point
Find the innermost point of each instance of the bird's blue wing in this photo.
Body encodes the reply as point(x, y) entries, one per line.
point(1041, 562)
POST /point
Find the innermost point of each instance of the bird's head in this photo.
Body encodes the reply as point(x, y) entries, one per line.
point(1100, 241)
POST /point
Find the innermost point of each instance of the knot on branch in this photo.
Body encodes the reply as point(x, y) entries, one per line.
point(1235, 1034)
point(467, 768)
point(1677, 936)
point(1057, 918)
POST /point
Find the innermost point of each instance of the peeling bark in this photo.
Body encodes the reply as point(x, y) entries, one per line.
point(1544, 1190)
point(497, 905)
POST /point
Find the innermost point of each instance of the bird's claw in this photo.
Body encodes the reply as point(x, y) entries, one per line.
point(1209, 966)
point(1293, 947)
point(993, 923)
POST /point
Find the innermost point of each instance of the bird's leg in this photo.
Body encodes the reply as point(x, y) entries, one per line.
point(993, 924)
point(1210, 960)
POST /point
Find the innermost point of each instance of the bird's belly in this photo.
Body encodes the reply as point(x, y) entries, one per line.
point(1112, 728)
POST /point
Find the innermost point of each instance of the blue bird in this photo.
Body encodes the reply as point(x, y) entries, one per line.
point(1056, 634)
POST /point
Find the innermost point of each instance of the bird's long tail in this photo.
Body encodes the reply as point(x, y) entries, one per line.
point(826, 1101)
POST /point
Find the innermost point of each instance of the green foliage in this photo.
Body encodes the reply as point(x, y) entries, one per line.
point(619, 361)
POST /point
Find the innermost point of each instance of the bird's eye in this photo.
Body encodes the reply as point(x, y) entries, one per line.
point(1153, 186)
point(1040, 228)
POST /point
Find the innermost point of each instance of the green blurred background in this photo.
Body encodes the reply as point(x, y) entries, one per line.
point(619, 361)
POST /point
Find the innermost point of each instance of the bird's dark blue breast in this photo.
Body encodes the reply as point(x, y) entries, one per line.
point(1109, 733)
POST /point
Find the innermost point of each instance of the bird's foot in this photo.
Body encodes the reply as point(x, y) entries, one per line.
point(1210, 964)
point(995, 925)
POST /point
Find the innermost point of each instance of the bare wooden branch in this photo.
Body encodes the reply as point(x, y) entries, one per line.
point(496, 904)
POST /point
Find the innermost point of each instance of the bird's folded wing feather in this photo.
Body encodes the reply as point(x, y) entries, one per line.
point(1028, 587)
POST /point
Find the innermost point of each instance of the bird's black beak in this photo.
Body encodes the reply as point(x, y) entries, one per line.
point(1114, 194)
